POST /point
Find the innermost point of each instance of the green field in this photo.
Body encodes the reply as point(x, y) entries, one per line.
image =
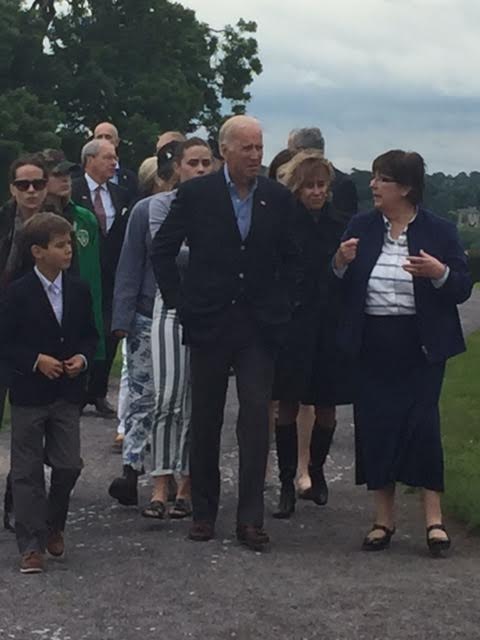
point(460, 406)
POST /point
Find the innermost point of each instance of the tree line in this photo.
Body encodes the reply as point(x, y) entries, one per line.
point(146, 65)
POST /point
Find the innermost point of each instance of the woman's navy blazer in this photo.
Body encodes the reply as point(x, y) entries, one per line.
point(438, 320)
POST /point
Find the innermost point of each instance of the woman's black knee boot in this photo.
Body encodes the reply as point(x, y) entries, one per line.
point(124, 488)
point(319, 448)
point(287, 453)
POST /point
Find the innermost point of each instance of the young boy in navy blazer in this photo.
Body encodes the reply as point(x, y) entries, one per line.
point(47, 340)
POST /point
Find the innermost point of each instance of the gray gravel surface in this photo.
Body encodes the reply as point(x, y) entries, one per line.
point(125, 578)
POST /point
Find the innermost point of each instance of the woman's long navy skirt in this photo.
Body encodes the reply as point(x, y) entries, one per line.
point(397, 421)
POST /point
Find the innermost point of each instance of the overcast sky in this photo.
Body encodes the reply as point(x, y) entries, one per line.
point(372, 74)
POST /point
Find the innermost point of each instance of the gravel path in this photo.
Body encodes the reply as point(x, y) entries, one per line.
point(125, 578)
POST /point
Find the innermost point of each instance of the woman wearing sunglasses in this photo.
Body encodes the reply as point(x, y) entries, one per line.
point(403, 272)
point(28, 188)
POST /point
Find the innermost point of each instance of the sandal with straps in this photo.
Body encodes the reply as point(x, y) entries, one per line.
point(156, 509)
point(378, 544)
point(438, 547)
point(180, 509)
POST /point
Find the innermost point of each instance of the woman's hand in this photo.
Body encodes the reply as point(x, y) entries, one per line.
point(346, 253)
point(425, 266)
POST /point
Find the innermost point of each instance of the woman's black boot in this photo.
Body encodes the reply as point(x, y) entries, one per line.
point(124, 489)
point(319, 448)
point(287, 453)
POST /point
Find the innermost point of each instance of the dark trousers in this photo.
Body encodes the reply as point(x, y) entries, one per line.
point(50, 432)
point(97, 386)
point(3, 399)
point(242, 348)
point(100, 370)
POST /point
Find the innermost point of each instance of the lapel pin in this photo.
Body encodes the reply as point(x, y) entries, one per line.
point(263, 203)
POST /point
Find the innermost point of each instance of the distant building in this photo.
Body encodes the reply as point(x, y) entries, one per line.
point(468, 217)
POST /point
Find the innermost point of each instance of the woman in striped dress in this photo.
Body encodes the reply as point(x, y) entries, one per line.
point(402, 271)
point(170, 357)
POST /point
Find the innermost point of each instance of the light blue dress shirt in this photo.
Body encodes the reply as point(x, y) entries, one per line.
point(242, 208)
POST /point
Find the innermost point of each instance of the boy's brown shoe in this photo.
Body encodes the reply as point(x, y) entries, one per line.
point(56, 544)
point(32, 562)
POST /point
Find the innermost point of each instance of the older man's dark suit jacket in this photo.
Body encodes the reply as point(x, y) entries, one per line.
point(261, 271)
point(111, 244)
point(438, 321)
point(28, 326)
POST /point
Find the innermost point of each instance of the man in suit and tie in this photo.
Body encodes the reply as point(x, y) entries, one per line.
point(109, 203)
point(234, 303)
point(124, 177)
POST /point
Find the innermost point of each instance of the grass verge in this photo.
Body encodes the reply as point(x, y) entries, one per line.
point(460, 409)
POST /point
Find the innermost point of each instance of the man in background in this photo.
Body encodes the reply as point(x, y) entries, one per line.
point(123, 177)
point(344, 191)
point(109, 202)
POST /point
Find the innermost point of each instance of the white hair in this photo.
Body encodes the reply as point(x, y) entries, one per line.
point(234, 124)
point(90, 150)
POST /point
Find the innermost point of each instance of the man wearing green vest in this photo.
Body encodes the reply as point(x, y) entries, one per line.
point(86, 250)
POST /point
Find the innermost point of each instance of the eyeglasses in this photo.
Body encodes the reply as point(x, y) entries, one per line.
point(24, 185)
point(380, 178)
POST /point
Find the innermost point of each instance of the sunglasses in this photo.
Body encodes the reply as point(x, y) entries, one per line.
point(24, 185)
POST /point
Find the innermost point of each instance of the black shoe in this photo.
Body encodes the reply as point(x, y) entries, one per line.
point(305, 494)
point(287, 453)
point(286, 504)
point(319, 447)
point(438, 547)
point(378, 544)
point(319, 489)
point(255, 538)
point(104, 408)
point(201, 531)
point(124, 489)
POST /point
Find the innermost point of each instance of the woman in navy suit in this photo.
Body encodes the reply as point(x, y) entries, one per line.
point(403, 271)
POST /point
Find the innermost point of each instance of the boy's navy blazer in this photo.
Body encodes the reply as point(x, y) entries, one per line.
point(223, 269)
point(28, 326)
point(437, 315)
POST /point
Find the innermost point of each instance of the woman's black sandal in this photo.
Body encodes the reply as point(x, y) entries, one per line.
point(438, 547)
point(378, 544)
point(156, 509)
point(180, 509)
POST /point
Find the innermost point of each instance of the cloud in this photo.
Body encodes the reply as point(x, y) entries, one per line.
point(372, 74)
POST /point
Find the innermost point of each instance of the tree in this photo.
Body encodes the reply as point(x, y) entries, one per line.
point(147, 65)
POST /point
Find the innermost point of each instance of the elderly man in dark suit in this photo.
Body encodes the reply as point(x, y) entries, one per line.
point(109, 203)
point(344, 191)
point(234, 302)
point(125, 178)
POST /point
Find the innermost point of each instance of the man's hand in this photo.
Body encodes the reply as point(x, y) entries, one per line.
point(346, 253)
point(50, 367)
point(120, 334)
point(74, 366)
point(424, 266)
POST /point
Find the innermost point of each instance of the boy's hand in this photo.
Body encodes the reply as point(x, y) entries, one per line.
point(50, 367)
point(74, 366)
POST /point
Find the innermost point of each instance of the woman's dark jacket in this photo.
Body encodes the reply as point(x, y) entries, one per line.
point(317, 235)
point(438, 320)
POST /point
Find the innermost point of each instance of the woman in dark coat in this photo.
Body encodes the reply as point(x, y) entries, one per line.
point(403, 271)
point(307, 368)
